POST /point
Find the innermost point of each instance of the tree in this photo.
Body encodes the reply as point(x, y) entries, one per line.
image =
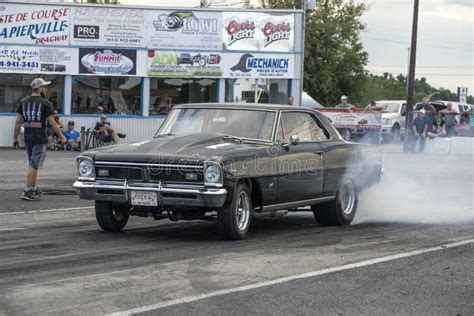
point(334, 56)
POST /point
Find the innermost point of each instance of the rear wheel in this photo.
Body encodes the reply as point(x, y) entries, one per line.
point(342, 209)
point(235, 217)
point(346, 134)
point(108, 218)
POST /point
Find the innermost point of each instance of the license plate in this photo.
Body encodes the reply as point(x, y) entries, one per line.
point(144, 198)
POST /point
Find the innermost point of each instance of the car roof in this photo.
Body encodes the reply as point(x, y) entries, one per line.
point(250, 106)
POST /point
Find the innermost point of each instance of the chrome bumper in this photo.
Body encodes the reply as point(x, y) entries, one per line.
point(167, 195)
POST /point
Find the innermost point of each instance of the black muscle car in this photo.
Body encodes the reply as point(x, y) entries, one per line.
point(233, 163)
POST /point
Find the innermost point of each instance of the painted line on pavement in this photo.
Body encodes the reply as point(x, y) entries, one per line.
point(11, 229)
point(311, 274)
point(49, 211)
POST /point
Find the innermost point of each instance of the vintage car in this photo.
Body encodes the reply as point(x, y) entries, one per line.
point(232, 163)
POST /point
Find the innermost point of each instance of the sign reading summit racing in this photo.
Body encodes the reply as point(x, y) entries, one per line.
point(251, 65)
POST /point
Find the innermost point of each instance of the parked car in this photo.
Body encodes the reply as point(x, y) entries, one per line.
point(393, 119)
point(232, 163)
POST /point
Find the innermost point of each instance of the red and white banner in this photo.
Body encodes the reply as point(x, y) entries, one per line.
point(355, 118)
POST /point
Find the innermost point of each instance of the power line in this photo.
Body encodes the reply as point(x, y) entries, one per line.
point(427, 74)
point(405, 43)
point(426, 67)
point(423, 38)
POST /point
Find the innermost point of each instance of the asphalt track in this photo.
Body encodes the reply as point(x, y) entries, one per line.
point(410, 251)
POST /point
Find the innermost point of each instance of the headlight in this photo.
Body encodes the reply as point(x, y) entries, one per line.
point(212, 174)
point(85, 169)
point(386, 121)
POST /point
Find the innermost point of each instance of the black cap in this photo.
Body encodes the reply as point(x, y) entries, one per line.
point(70, 123)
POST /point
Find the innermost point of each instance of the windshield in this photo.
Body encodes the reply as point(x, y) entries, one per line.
point(389, 107)
point(245, 124)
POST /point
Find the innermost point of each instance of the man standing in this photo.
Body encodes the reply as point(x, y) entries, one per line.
point(449, 119)
point(420, 127)
point(430, 113)
point(344, 103)
point(36, 112)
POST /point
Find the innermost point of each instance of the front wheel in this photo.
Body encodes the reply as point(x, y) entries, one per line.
point(342, 209)
point(108, 218)
point(235, 217)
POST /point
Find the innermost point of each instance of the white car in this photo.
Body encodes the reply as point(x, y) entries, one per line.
point(393, 118)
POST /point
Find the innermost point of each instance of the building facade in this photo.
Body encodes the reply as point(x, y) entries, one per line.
point(138, 62)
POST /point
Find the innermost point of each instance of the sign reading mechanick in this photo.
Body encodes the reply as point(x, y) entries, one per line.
point(100, 26)
point(258, 32)
point(27, 59)
point(184, 64)
point(107, 61)
point(34, 24)
point(184, 29)
point(249, 65)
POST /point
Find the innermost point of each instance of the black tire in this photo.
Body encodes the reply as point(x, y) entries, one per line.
point(109, 219)
point(342, 209)
point(234, 221)
point(346, 134)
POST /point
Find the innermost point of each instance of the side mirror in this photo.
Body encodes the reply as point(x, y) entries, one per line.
point(404, 113)
point(294, 140)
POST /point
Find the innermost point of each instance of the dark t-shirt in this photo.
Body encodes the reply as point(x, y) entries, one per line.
point(420, 124)
point(430, 112)
point(35, 110)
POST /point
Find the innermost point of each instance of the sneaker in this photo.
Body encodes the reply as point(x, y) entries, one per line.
point(30, 196)
point(121, 135)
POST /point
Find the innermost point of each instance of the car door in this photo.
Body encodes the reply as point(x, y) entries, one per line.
point(301, 166)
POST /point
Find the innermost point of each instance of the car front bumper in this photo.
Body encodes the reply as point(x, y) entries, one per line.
point(182, 196)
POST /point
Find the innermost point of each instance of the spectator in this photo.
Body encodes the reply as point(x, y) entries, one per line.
point(344, 103)
point(105, 132)
point(449, 119)
point(440, 131)
point(163, 106)
point(99, 109)
point(470, 116)
point(73, 137)
point(430, 113)
point(420, 126)
point(49, 129)
point(291, 100)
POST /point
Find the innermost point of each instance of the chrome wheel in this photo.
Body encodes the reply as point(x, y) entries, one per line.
point(242, 213)
point(347, 197)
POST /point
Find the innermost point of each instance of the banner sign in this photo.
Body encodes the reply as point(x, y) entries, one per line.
point(108, 61)
point(34, 24)
point(249, 65)
point(27, 59)
point(184, 29)
point(99, 26)
point(184, 64)
point(258, 32)
point(356, 118)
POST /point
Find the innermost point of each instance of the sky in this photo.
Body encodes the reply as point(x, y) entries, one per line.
point(445, 37)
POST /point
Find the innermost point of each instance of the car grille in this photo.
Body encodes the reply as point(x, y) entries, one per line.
point(119, 173)
point(160, 173)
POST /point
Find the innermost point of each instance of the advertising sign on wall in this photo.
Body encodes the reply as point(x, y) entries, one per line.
point(98, 26)
point(32, 24)
point(251, 65)
point(258, 32)
point(107, 61)
point(184, 29)
point(26, 59)
point(184, 64)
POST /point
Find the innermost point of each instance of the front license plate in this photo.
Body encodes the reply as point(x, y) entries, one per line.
point(144, 198)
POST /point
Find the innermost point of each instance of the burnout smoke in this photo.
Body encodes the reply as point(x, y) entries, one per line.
point(421, 189)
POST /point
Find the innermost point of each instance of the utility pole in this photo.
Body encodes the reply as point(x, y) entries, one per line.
point(303, 5)
point(411, 80)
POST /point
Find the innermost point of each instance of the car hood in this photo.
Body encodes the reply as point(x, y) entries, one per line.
point(184, 149)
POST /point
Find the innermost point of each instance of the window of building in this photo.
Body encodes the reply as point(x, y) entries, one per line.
point(257, 91)
point(166, 93)
point(13, 88)
point(110, 95)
